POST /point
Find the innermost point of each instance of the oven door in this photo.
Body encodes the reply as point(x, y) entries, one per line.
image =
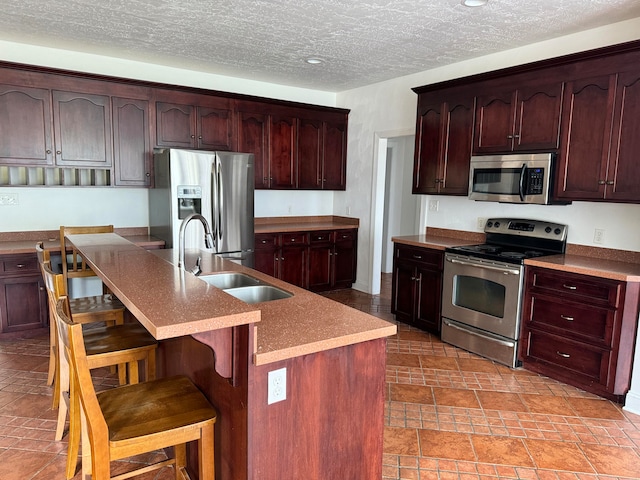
point(483, 294)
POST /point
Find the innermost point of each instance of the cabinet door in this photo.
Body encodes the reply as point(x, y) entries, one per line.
point(131, 142)
point(266, 261)
point(623, 176)
point(214, 128)
point(586, 128)
point(23, 303)
point(495, 117)
point(457, 142)
point(281, 151)
point(252, 138)
point(428, 150)
point(428, 291)
point(538, 117)
point(82, 129)
point(293, 265)
point(25, 126)
point(175, 125)
point(309, 153)
point(344, 259)
point(334, 156)
point(320, 257)
point(403, 291)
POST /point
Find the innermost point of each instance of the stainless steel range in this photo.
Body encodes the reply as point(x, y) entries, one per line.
point(483, 285)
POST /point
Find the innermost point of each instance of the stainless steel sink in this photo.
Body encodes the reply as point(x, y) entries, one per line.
point(258, 293)
point(225, 281)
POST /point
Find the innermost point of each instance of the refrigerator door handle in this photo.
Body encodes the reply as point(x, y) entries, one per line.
point(214, 203)
point(221, 205)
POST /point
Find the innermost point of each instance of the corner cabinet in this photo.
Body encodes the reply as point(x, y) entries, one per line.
point(444, 134)
point(580, 329)
point(23, 299)
point(416, 287)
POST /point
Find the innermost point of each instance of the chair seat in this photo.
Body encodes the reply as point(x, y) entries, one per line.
point(156, 407)
point(129, 336)
point(95, 304)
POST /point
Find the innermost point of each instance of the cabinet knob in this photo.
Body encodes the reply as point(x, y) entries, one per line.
point(516, 136)
point(199, 137)
point(20, 265)
point(563, 355)
point(567, 318)
point(601, 182)
point(193, 136)
point(48, 151)
point(609, 182)
point(41, 289)
point(58, 152)
point(437, 180)
point(418, 257)
point(509, 137)
point(147, 174)
point(570, 287)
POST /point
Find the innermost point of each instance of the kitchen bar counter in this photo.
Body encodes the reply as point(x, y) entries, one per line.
point(597, 267)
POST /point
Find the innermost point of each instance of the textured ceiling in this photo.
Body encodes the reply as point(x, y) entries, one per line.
point(362, 42)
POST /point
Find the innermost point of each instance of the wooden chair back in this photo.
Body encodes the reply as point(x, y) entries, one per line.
point(75, 266)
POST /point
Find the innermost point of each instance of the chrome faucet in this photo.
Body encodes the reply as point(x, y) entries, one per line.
point(208, 241)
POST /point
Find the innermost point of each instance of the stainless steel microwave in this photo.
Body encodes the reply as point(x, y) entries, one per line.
point(513, 178)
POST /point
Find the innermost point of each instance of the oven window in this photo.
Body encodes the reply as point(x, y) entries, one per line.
point(502, 181)
point(479, 294)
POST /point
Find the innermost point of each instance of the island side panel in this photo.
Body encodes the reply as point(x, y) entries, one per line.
point(187, 356)
point(332, 422)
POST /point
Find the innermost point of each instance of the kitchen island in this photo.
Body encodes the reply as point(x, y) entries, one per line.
point(331, 423)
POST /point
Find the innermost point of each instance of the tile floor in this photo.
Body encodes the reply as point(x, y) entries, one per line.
point(449, 415)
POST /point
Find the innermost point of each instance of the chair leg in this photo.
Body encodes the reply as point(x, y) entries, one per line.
point(205, 453)
point(53, 351)
point(55, 402)
point(75, 426)
point(180, 452)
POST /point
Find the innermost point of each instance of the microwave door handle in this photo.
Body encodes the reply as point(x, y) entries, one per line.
point(521, 184)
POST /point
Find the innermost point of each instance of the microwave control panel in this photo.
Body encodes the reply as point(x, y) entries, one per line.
point(535, 179)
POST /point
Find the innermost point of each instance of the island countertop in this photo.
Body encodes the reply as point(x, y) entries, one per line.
point(171, 302)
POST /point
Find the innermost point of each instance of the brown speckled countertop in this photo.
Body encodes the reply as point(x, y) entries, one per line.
point(598, 267)
point(435, 242)
point(306, 223)
point(175, 303)
point(25, 242)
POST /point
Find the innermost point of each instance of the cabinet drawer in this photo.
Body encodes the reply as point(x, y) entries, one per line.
point(570, 358)
point(294, 239)
point(574, 319)
point(19, 264)
point(420, 255)
point(583, 288)
point(320, 237)
point(345, 235)
point(266, 241)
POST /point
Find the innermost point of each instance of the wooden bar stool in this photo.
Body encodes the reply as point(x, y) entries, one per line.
point(101, 308)
point(134, 419)
point(125, 344)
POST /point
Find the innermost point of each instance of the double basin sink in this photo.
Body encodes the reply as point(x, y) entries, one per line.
point(245, 287)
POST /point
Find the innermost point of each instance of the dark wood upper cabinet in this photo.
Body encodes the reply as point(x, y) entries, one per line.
point(309, 153)
point(322, 153)
point(525, 119)
point(25, 123)
point(443, 144)
point(131, 142)
point(586, 135)
point(334, 154)
point(282, 149)
point(253, 132)
point(200, 122)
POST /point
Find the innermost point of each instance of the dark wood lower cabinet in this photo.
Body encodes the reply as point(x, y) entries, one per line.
point(580, 329)
point(315, 260)
point(416, 288)
point(23, 299)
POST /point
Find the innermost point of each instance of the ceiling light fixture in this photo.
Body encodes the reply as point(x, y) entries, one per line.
point(314, 61)
point(474, 3)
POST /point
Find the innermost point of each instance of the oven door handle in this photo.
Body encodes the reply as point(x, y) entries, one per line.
point(521, 183)
point(471, 332)
point(506, 271)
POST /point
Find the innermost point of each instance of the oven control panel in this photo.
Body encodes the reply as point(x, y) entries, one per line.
point(528, 228)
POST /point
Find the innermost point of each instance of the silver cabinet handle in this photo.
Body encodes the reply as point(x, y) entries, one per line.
point(20, 265)
point(564, 355)
point(567, 318)
point(570, 287)
point(417, 257)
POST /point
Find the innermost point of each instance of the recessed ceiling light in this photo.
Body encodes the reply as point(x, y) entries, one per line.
point(474, 3)
point(314, 61)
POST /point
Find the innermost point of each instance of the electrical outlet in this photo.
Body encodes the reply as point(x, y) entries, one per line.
point(434, 205)
point(277, 389)
point(481, 223)
point(598, 235)
point(348, 210)
point(9, 199)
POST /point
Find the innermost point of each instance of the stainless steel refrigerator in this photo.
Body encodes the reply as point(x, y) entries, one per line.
point(217, 185)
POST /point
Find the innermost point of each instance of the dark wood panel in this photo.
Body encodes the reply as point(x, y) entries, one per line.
point(253, 138)
point(214, 128)
point(429, 293)
point(538, 117)
point(174, 125)
point(495, 117)
point(334, 155)
point(281, 152)
point(309, 153)
point(428, 152)
point(23, 303)
point(131, 142)
point(458, 140)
